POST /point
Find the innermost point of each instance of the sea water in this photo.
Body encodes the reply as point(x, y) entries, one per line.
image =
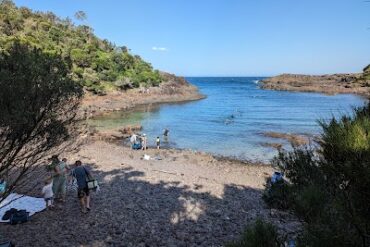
point(232, 119)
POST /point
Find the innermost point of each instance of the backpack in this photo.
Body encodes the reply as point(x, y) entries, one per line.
point(9, 213)
point(21, 216)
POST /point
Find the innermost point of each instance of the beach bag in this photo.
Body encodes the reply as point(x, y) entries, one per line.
point(9, 213)
point(21, 216)
point(92, 183)
point(136, 146)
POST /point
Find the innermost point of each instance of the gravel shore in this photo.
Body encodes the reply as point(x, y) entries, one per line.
point(183, 198)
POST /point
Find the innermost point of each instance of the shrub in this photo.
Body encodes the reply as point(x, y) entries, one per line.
point(329, 185)
point(276, 195)
point(257, 235)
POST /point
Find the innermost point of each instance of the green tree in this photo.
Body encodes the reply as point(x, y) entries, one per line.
point(38, 109)
point(81, 15)
point(91, 57)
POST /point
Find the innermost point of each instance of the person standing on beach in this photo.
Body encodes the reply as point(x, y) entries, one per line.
point(59, 178)
point(47, 192)
point(81, 173)
point(158, 142)
point(144, 142)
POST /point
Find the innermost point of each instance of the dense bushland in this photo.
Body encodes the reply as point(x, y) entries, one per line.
point(97, 64)
point(328, 186)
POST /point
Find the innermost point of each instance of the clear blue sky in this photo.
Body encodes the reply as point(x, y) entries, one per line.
point(231, 37)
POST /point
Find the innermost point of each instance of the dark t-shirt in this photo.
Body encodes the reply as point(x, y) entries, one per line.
point(80, 173)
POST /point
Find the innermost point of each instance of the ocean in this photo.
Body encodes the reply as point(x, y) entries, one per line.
point(233, 118)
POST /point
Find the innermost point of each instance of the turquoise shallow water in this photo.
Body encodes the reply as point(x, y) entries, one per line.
point(231, 120)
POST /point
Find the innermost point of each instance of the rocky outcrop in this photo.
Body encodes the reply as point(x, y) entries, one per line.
point(114, 135)
point(329, 84)
point(173, 89)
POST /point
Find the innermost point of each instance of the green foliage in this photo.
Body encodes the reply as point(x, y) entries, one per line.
point(277, 195)
point(38, 107)
point(96, 63)
point(260, 234)
point(328, 185)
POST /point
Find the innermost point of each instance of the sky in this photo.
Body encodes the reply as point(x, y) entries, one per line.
point(231, 37)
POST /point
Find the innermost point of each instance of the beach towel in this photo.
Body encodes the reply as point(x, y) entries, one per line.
point(21, 202)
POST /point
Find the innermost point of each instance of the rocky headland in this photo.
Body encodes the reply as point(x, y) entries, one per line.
point(172, 89)
point(328, 84)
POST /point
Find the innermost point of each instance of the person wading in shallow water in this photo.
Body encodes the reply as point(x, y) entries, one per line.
point(81, 173)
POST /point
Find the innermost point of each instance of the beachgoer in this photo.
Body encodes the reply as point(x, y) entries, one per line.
point(158, 141)
point(59, 169)
point(68, 169)
point(133, 138)
point(47, 192)
point(81, 173)
point(166, 131)
point(144, 142)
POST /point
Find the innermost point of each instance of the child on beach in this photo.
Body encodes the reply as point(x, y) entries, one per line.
point(47, 192)
point(158, 141)
point(144, 142)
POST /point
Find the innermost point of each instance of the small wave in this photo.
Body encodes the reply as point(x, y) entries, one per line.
point(256, 81)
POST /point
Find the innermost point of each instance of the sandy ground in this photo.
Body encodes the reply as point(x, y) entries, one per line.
point(184, 199)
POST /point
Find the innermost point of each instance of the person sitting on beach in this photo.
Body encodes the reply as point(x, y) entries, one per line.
point(144, 142)
point(158, 141)
point(59, 178)
point(47, 192)
point(81, 173)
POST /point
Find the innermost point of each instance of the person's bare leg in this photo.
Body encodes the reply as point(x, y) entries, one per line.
point(82, 202)
point(88, 202)
point(63, 197)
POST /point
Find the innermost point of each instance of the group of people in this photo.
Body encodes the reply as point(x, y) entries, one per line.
point(56, 183)
point(141, 141)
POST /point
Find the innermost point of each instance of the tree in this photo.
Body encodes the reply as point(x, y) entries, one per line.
point(38, 110)
point(81, 15)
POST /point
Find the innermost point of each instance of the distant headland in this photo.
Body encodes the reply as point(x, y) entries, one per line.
point(330, 84)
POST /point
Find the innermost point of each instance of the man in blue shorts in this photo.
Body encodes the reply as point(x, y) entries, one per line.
point(81, 173)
